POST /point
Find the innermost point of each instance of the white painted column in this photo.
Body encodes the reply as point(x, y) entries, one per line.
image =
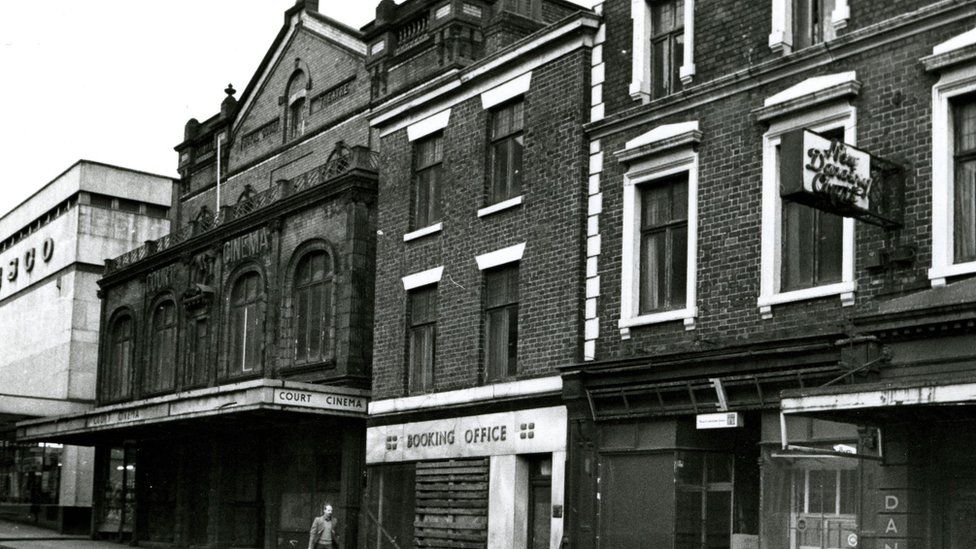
point(558, 498)
point(77, 465)
point(508, 497)
point(640, 82)
point(781, 34)
point(687, 70)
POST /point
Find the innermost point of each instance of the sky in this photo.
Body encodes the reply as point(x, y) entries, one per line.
point(115, 80)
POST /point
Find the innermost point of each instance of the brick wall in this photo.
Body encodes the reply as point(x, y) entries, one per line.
point(551, 277)
point(259, 164)
point(345, 227)
point(893, 121)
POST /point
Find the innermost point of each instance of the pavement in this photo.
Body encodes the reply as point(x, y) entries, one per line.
point(14, 535)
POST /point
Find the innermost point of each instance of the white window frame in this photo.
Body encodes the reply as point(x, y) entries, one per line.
point(640, 82)
point(824, 118)
point(681, 160)
point(781, 33)
point(954, 82)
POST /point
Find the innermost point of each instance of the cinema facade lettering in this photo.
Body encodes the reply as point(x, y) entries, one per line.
point(260, 395)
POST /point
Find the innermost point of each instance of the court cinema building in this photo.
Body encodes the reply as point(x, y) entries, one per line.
point(233, 367)
point(478, 111)
point(52, 251)
point(780, 344)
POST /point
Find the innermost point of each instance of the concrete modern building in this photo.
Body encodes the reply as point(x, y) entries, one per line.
point(53, 248)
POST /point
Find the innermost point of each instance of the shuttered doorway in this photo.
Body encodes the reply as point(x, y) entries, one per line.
point(452, 504)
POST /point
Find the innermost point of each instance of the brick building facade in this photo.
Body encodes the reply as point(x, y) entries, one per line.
point(614, 306)
point(234, 370)
point(816, 340)
point(478, 111)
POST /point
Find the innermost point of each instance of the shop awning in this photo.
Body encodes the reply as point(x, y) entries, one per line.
point(880, 399)
point(251, 401)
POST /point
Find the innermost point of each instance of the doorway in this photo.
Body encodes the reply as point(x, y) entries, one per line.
point(540, 502)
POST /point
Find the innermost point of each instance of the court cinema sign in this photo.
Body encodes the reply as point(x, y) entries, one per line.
point(835, 177)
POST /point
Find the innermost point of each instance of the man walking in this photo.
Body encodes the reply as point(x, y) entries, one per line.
point(323, 534)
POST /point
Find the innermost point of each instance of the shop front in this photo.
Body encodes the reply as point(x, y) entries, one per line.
point(246, 465)
point(688, 454)
point(918, 489)
point(489, 480)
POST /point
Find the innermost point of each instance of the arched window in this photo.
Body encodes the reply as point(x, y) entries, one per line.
point(313, 308)
point(246, 337)
point(296, 102)
point(161, 370)
point(118, 371)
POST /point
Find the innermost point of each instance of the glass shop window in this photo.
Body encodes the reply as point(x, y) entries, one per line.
point(810, 503)
point(703, 486)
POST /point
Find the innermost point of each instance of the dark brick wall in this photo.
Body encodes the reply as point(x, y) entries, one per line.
point(893, 121)
point(551, 277)
point(730, 36)
point(328, 65)
point(345, 227)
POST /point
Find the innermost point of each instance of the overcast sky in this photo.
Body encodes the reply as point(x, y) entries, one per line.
point(116, 80)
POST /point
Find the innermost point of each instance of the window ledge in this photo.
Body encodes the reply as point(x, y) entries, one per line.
point(687, 315)
point(844, 289)
point(938, 275)
point(430, 229)
point(500, 206)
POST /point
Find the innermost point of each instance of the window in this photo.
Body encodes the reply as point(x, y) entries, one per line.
point(805, 253)
point(161, 371)
point(427, 161)
point(667, 46)
point(296, 117)
point(501, 321)
point(812, 22)
point(964, 177)
point(664, 244)
point(810, 503)
point(658, 278)
point(812, 243)
point(246, 338)
point(116, 382)
point(295, 111)
point(198, 358)
point(422, 338)
point(313, 308)
point(663, 42)
point(506, 151)
point(703, 502)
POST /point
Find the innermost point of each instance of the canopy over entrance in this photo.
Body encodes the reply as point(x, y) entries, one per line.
point(258, 401)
